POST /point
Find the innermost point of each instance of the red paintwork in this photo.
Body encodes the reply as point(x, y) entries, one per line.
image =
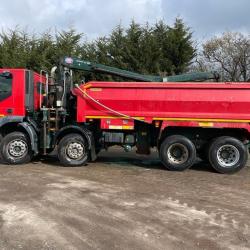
point(16, 101)
point(37, 99)
point(114, 123)
point(230, 101)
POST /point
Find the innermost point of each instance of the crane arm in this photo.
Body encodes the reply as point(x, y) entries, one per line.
point(78, 64)
point(75, 63)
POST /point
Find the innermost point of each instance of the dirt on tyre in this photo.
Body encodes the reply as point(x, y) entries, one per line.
point(73, 151)
point(227, 155)
point(177, 153)
point(15, 149)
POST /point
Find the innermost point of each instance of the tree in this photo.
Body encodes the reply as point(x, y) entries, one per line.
point(179, 47)
point(229, 54)
point(132, 47)
point(158, 49)
point(161, 34)
point(15, 48)
point(68, 43)
point(116, 51)
point(148, 49)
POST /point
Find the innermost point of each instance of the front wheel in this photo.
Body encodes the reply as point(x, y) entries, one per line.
point(227, 155)
point(15, 149)
point(177, 153)
point(72, 150)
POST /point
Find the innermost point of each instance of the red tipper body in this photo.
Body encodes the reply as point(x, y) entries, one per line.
point(175, 104)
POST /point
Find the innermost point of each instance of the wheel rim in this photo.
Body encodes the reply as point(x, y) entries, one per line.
point(228, 156)
point(17, 148)
point(178, 153)
point(75, 150)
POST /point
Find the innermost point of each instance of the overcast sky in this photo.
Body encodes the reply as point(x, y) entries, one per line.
point(98, 17)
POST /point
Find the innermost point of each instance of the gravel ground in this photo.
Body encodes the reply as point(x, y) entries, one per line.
point(122, 201)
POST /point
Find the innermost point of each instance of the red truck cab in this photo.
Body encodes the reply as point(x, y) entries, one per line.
point(20, 91)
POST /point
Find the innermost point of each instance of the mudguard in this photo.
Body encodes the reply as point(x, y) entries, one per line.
point(11, 119)
point(19, 120)
point(32, 136)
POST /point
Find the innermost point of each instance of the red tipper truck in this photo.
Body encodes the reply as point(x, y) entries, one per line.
point(183, 120)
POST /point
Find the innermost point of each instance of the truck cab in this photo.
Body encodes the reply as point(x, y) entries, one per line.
point(21, 96)
point(20, 92)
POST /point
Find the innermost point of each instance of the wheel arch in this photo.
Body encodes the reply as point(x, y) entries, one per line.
point(74, 129)
point(17, 124)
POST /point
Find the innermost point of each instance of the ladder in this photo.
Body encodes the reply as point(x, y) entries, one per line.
point(53, 120)
point(50, 122)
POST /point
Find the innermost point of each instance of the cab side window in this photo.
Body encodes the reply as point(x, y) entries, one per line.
point(5, 85)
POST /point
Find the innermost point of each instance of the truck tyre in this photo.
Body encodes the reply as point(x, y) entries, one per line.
point(72, 150)
point(177, 153)
point(15, 149)
point(227, 155)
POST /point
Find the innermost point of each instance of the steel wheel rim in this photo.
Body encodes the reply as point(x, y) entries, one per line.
point(228, 156)
point(177, 153)
point(75, 150)
point(17, 148)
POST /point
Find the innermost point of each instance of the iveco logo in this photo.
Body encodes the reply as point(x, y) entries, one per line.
point(69, 60)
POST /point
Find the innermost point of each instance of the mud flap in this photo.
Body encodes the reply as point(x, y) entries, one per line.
point(32, 136)
point(93, 155)
point(143, 140)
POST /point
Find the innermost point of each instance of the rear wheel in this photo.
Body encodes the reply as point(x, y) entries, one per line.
point(227, 155)
point(15, 148)
point(72, 150)
point(177, 153)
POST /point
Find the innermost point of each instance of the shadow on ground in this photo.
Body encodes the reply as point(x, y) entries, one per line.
point(119, 158)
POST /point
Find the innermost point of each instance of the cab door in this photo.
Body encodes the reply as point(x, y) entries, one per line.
point(6, 98)
point(12, 92)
